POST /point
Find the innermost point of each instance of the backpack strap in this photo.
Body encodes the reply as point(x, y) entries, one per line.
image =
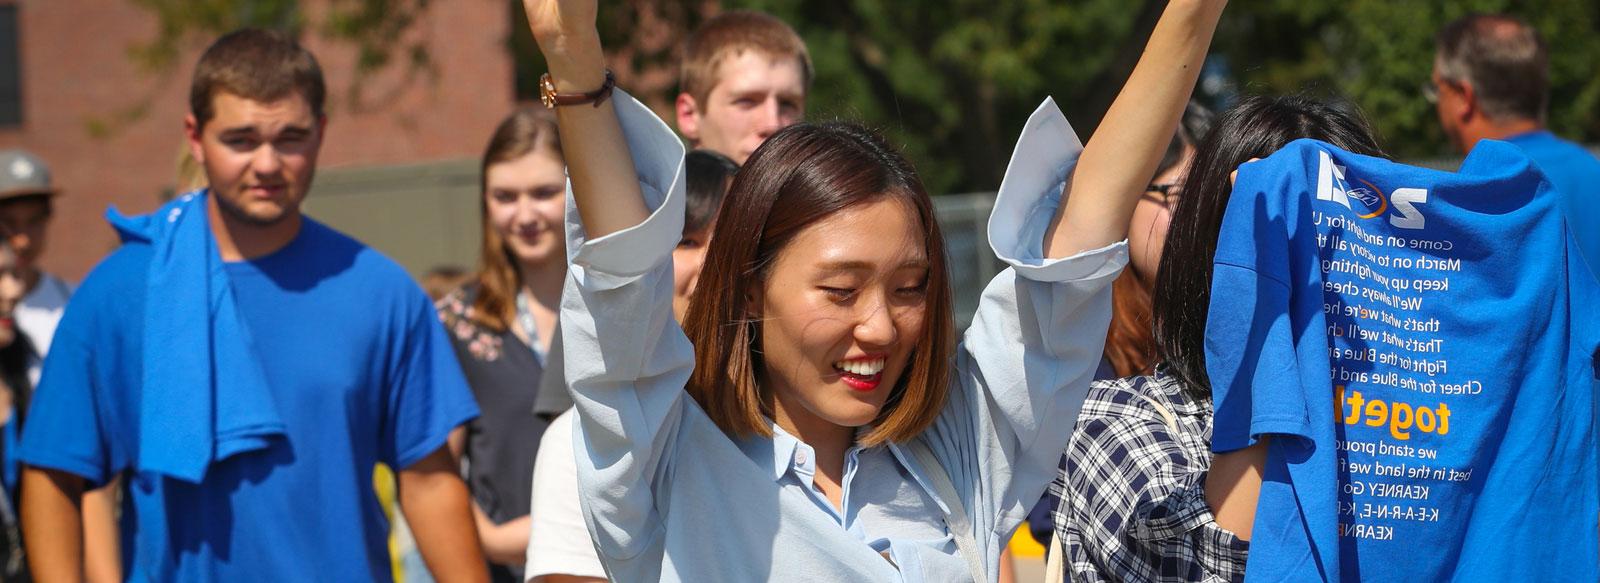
point(1166, 414)
point(955, 519)
point(1055, 567)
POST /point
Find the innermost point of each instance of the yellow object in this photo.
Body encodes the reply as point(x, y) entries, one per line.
point(1023, 545)
point(383, 483)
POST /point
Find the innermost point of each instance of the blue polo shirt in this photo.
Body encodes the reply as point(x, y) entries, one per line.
point(360, 373)
point(1420, 346)
point(1576, 175)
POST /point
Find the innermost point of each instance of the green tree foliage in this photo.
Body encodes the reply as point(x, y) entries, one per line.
point(381, 32)
point(376, 28)
point(952, 81)
point(1379, 53)
point(180, 22)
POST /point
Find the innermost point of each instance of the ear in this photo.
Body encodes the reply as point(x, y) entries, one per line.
point(688, 117)
point(755, 301)
point(191, 133)
point(322, 129)
point(1469, 102)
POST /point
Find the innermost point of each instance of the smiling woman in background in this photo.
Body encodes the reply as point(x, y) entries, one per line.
point(501, 325)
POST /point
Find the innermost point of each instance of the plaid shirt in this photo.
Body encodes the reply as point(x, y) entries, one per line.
point(1133, 504)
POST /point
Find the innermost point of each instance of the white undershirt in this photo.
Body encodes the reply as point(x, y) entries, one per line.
point(37, 316)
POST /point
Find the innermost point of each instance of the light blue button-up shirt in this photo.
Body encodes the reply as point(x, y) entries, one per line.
point(668, 496)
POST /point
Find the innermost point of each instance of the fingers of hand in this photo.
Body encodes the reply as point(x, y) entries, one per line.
point(1234, 176)
point(552, 19)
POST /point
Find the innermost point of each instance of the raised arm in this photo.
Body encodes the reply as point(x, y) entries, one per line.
point(1028, 358)
point(1120, 159)
point(604, 182)
point(625, 360)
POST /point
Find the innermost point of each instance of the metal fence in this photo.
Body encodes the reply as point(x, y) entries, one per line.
point(965, 221)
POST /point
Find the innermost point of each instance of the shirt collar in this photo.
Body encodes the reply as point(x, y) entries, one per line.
point(781, 452)
point(785, 452)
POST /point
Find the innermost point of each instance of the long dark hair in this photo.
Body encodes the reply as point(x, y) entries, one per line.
point(801, 175)
point(1255, 128)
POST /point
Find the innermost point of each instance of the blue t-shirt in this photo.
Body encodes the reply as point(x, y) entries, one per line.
point(1576, 175)
point(360, 373)
point(1420, 346)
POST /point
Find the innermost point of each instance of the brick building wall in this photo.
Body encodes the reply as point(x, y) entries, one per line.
point(75, 70)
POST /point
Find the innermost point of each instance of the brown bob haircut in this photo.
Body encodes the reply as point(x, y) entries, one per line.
point(801, 175)
point(256, 64)
point(523, 132)
point(729, 34)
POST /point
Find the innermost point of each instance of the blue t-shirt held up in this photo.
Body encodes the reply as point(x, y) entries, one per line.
point(359, 372)
point(1420, 348)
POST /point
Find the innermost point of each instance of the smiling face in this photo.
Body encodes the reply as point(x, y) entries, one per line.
point(259, 157)
point(525, 199)
point(841, 310)
point(756, 95)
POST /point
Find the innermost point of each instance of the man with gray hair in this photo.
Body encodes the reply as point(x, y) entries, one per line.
point(1491, 80)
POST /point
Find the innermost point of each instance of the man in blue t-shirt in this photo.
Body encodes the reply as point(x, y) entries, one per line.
point(1415, 349)
point(1491, 81)
point(244, 368)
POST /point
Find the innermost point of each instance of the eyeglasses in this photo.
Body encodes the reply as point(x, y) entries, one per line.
point(1430, 88)
point(1169, 192)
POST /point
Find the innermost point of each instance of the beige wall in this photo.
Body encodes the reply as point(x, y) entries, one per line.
point(421, 215)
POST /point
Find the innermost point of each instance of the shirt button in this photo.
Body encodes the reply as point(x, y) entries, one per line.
point(800, 457)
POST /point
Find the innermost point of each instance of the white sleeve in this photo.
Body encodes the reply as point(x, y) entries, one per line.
point(558, 541)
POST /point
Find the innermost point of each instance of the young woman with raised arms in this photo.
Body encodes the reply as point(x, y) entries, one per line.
point(816, 420)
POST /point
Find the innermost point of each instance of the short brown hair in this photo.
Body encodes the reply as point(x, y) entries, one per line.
point(803, 174)
point(256, 64)
point(523, 132)
point(729, 34)
point(1504, 60)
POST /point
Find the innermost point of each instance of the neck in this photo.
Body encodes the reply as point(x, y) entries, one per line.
point(238, 240)
point(1488, 129)
point(830, 441)
point(543, 281)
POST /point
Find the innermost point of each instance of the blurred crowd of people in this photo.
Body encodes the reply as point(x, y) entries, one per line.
point(736, 360)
